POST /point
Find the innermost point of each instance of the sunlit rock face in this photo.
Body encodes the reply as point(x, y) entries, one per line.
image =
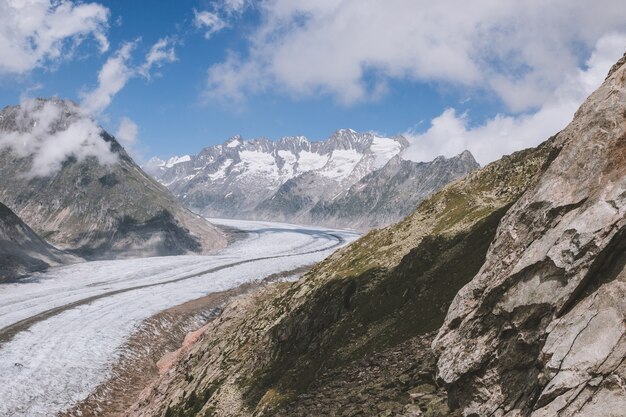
point(541, 329)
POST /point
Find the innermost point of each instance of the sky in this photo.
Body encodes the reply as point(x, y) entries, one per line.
point(171, 77)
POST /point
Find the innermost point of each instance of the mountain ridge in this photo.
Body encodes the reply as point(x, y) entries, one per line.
point(295, 180)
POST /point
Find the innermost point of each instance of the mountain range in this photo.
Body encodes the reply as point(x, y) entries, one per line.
point(351, 179)
point(502, 294)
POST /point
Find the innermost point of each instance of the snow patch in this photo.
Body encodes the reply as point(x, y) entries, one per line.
point(290, 160)
point(257, 162)
point(310, 161)
point(177, 160)
point(384, 149)
point(341, 164)
point(221, 172)
point(233, 143)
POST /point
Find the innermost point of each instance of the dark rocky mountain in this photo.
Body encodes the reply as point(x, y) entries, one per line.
point(22, 251)
point(94, 208)
point(349, 180)
point(503, 294)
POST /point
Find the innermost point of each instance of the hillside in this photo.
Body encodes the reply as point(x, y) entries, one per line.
point(95, 208)
point(22, 251)
point(516, 270)
point(382, 295)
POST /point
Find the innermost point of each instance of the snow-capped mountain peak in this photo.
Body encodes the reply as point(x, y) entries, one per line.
point(250, 171)
point(176, 160)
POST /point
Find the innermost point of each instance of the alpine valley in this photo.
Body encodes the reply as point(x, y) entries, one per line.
point(312, 278)
point(502, 294)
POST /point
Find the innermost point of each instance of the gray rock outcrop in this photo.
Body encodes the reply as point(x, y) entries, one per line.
point(541, 329)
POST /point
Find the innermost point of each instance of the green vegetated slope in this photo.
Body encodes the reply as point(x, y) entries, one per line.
point(381, 297)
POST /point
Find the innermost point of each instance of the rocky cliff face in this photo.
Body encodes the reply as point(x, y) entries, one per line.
point(98, 205)
point(22, 251)
point(348, 180)
point(541, 329)
point(351, 336)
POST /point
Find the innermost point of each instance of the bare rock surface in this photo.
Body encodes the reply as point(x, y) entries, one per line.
point(541, 329)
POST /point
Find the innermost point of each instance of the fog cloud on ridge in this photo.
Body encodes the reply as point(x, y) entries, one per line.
point(45, 132)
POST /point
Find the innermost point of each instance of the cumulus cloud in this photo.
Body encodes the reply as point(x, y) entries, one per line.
point(34, 32)
point(113, 76)
point(44, 131)
point(225, 79)
point(220, 17)
point(451, 133)
point(233, 6)
point(519, 51)
point(160, 53)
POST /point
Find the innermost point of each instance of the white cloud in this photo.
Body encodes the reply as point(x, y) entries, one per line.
point(50, 137)
point(210, 22)
point(118, 70)
point(519, 51)
point(220, 17)
point(34, 32)
point(451, 133)
point(233, 6)
point(225, 79)
point(161, 52)
point(111, 79)
point(127, 132)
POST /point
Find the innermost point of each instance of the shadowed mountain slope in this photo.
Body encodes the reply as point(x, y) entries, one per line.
point(22, 251)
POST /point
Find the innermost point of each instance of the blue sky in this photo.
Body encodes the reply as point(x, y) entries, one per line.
point(495, 79)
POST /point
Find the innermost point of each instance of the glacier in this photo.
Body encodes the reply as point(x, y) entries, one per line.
point(74, 319)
